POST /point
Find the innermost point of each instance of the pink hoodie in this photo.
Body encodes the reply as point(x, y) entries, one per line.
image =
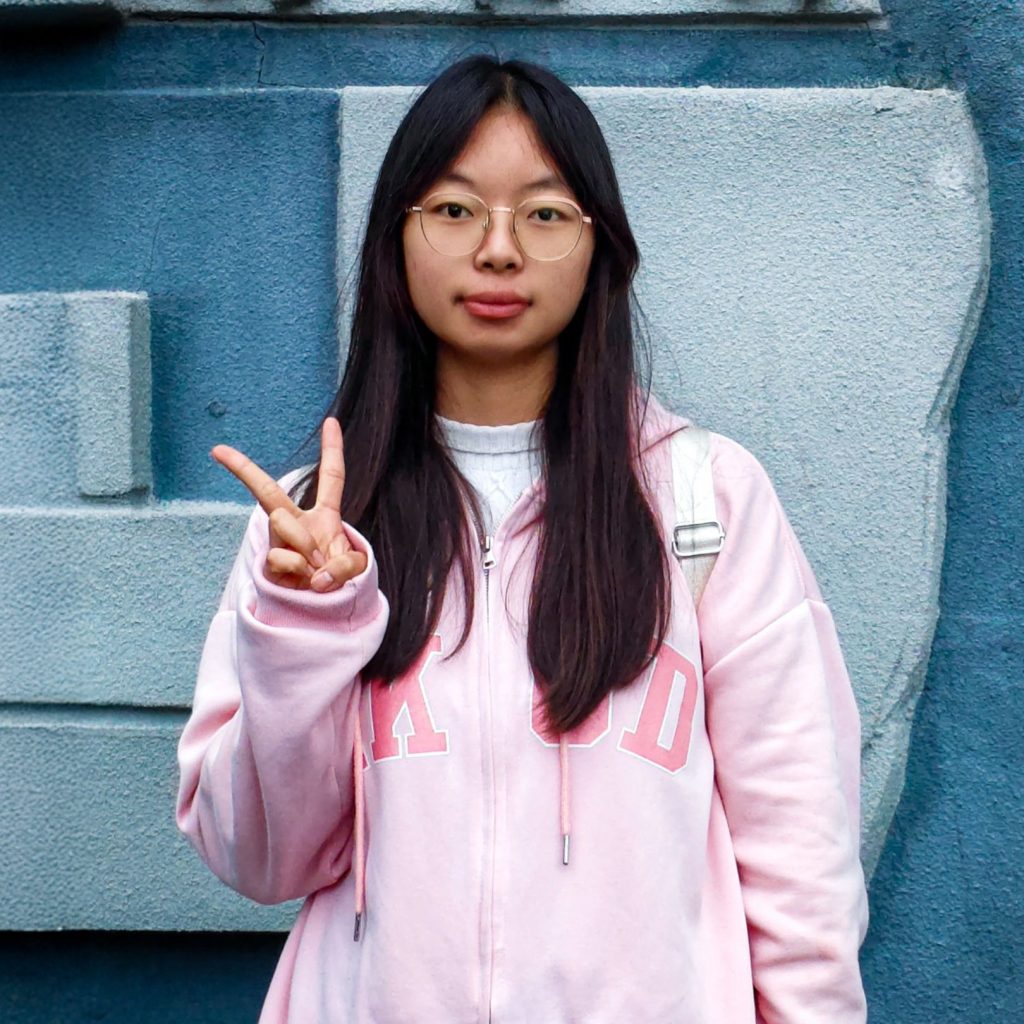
point(713, 875)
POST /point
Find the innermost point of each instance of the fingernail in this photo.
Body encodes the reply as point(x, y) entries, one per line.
point(322, 579)
point(318, 559)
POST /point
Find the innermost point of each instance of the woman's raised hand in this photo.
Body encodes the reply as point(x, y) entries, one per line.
point(304, 544)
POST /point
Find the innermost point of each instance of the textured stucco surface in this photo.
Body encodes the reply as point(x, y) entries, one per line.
point(800, 390)
point(790, 239)
point(120, 191)
point(219, 206)
point(161, 281)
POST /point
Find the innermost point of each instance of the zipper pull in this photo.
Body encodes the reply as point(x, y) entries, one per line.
point(488, 557)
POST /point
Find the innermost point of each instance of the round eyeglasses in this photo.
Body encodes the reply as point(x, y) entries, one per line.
point(455, 223)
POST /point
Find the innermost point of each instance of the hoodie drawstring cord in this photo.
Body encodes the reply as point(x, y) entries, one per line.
point(563, 772)
point(357, 774)
point(358, 842)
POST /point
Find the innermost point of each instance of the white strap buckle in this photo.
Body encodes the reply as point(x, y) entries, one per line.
point(691, 540)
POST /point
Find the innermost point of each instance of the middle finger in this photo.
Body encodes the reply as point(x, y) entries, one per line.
point(332, 465)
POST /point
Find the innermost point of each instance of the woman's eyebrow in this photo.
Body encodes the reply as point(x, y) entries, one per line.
point(548, 181)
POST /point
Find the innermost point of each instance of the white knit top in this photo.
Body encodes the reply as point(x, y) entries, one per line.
point(500, 462)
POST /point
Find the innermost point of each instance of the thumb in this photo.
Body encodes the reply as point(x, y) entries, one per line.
point(338, 571)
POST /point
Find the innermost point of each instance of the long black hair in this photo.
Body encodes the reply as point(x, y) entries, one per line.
point(600, 593)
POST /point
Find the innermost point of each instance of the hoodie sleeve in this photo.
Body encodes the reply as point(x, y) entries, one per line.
point(266, 789)
point(785, 734)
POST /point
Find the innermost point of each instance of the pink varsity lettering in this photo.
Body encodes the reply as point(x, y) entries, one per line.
point(387, 702)
point(644, 740)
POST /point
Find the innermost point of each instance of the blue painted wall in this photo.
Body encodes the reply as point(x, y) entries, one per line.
point(947, 910)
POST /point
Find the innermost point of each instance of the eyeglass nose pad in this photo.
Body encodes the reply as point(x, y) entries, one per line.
point(489, 222)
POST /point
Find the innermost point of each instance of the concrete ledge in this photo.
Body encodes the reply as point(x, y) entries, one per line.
point(41, 12)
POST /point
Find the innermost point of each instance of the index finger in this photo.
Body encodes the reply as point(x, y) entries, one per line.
point(263, 487)
point(332, 466)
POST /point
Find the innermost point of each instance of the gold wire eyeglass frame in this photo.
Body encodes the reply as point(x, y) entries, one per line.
point(584, 219)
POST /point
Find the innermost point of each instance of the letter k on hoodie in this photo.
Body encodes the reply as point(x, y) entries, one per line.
point(713, 874)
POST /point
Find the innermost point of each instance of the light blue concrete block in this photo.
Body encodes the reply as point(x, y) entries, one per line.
point(108, 341)
point(129, 593)
point(37, 430)
point(87, 832)
point(76, 375)
point(814, 265)
point(103, 627)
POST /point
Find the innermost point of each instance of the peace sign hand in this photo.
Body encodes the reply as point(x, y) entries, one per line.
point(303, 542)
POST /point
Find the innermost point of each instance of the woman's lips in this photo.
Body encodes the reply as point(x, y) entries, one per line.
point(494, 310)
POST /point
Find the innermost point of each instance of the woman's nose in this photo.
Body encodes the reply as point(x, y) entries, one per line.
point(499, 244)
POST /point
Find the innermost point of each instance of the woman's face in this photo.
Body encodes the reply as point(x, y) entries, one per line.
point(501, 160)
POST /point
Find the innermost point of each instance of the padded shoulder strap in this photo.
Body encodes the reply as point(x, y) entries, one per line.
point(698, 535)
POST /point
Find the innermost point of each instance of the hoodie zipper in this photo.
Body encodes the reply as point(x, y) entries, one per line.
point(487, 561)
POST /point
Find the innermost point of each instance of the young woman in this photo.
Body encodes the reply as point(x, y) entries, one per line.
point(460, 639)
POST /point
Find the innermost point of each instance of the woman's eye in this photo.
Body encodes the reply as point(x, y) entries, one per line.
point(450, 211)
point(547, 214)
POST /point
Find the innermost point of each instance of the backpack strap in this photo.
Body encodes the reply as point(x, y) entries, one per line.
point(698, 535)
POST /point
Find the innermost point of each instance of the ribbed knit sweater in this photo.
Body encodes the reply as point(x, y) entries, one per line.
point(500, 462)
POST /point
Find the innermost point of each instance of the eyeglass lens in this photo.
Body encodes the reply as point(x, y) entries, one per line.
point(453, 223)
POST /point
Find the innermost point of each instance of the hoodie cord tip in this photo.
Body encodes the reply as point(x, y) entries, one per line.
point(360, 813)
point(563, 771)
